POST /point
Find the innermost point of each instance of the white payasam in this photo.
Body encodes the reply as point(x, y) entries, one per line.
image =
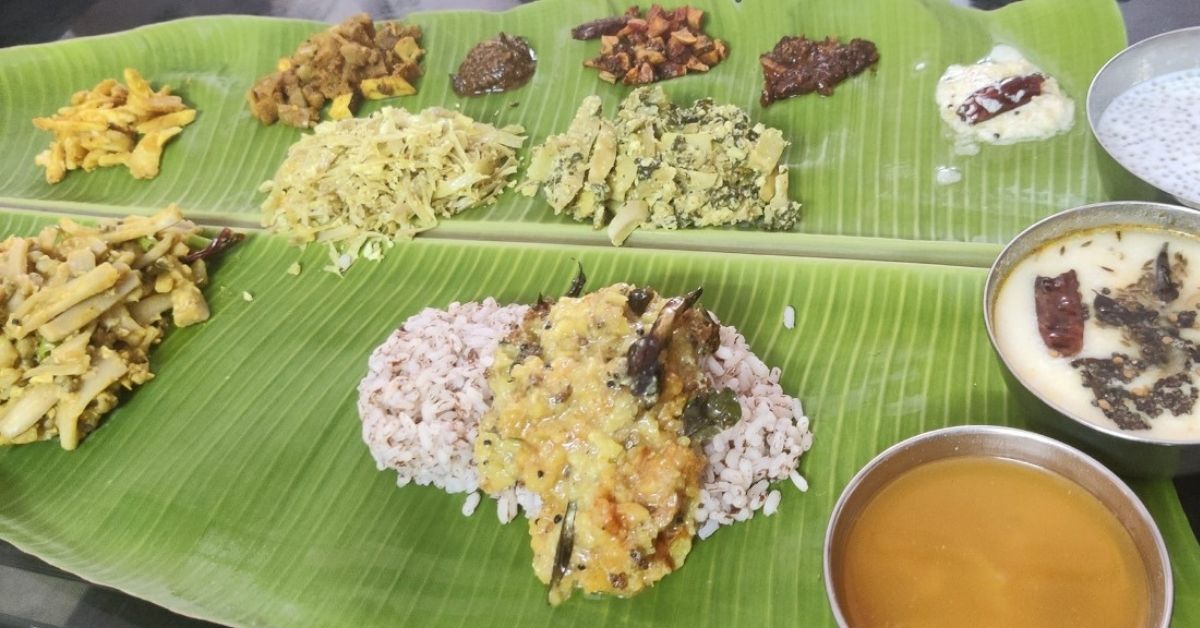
point(1143, 391)
point(1045, 115)
point(1153, 128)
point(358, 185)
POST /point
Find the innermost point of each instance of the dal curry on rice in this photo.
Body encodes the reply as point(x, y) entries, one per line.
point(623, 423)
point(598, 404)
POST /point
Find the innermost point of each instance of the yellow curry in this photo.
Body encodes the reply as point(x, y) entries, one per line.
point(599, 403)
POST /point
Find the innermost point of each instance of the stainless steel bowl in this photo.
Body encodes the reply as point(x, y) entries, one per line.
point(1014, 444)
point(1169, 52)
point(1128, 453)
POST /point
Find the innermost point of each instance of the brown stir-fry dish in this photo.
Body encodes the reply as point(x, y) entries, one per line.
point(343, 64)
point(600, 406)
point(798, 65)
point(497, 65)
point(665, 44)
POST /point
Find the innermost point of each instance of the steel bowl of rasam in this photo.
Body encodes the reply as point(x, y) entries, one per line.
point(986, 525)
point(1093, 313)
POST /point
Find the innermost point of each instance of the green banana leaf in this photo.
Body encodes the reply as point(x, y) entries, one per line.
point(235, 486)
point(863, 161)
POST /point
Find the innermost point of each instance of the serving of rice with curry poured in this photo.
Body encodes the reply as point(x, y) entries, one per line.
point(623, 423)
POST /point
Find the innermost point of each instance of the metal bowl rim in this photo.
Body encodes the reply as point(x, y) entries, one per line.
point(993, 278)
point(997, 431)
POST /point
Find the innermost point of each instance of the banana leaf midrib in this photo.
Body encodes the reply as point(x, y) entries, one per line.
point(748, 242)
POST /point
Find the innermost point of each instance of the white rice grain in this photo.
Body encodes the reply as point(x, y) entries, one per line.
point(471, 503)
point(772, 503)
point(765, 446)
point(799, 481)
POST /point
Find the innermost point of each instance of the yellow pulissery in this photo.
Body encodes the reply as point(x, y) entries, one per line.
point(566, 426)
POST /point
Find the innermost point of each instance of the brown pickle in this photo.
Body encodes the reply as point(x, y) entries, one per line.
point(497, 65)
point(798, 65)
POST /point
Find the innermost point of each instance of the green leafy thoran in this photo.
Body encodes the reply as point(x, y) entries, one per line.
point(659, 165)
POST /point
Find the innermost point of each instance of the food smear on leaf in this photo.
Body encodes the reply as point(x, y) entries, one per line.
point(82, 307)
point(113, 124)
point(500, 64)
point(1102, 323)
point(1003, 99)
point(799, 65)
point(663, 44)
point(359, 185)
point(340, 65)
point(662, 166)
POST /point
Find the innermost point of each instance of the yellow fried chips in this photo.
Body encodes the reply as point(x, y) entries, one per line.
point(113, 124)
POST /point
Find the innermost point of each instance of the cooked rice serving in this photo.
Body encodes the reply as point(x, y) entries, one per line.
point(426, 390)
point(421, 401)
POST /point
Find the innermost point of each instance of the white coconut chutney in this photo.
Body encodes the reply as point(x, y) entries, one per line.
point(1045, 115)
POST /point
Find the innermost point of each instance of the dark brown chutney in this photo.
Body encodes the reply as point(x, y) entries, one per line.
point(497, 65)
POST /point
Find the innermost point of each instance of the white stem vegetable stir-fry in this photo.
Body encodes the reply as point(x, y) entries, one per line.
point(81, 307)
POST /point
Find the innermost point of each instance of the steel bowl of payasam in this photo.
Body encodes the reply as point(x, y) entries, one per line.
point(1155, 84)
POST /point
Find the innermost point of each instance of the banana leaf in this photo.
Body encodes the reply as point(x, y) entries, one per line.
point(235, 486)
point(863, 161)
